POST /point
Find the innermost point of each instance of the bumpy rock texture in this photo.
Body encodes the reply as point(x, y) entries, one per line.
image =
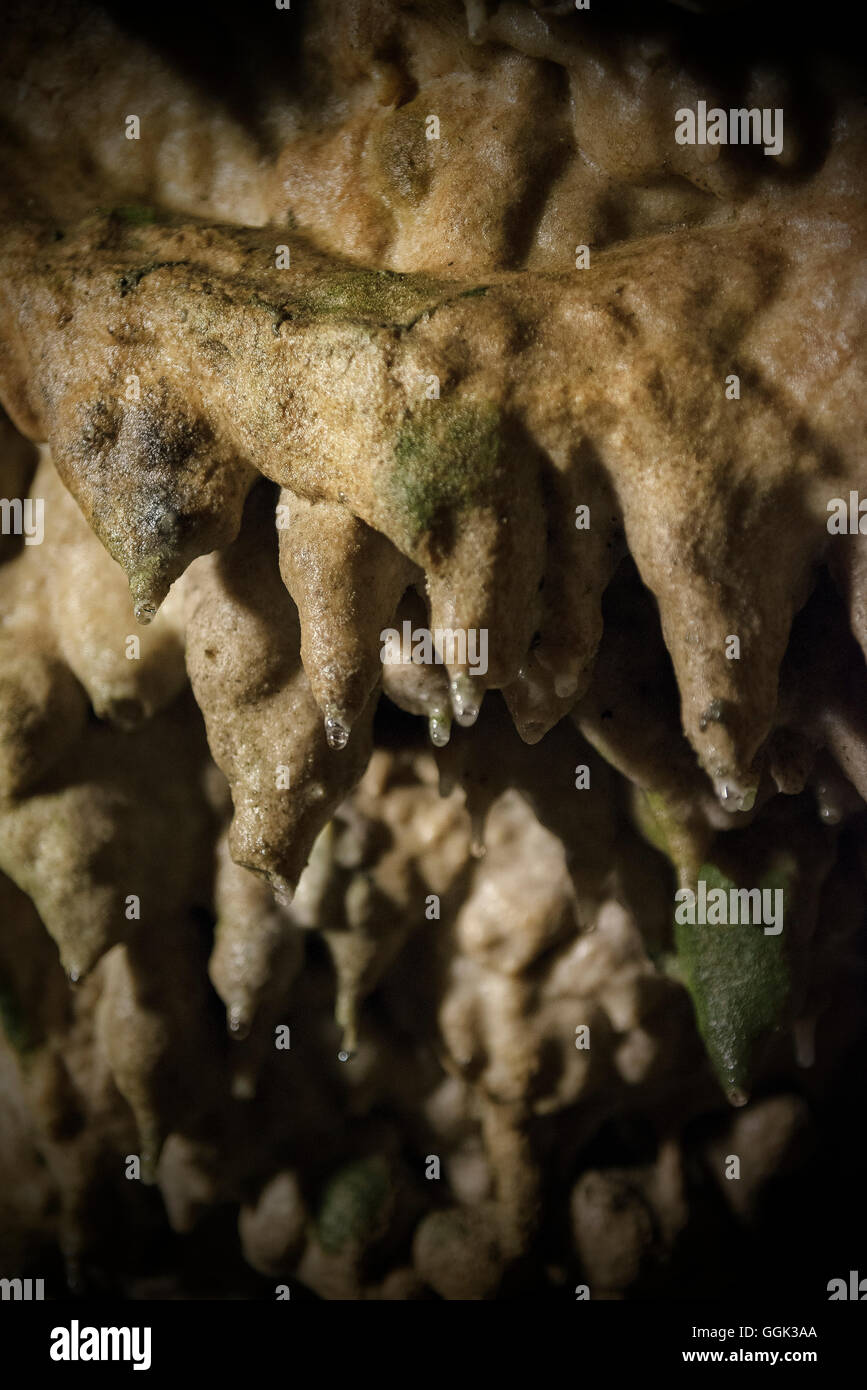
point(329, 320)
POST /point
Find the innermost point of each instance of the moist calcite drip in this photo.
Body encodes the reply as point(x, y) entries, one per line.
point(419, 320)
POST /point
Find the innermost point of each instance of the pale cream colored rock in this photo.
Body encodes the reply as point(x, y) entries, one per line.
point(759, 1137)
point(612, 1230)
point(273, 1230)
point(431, 390)
point(457, 1252)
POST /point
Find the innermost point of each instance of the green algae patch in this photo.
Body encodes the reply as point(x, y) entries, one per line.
point(738, 979)
point(132, 214)
point(353, 1208)
point(379, 296)
point(447, 458)
point(656, 822)
point(684, 842)
point(132, 279)
point(136, 213)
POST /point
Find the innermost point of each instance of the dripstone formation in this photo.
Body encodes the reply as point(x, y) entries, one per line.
point(365, 979)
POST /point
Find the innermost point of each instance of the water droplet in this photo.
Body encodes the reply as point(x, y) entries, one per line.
point(732, 797)
point(830, 810)
point(145, 611)
point(344, 1056)
point(466, 702)
point(439, 728)
point(737, 1097)
point(73, 975)
point(168, 522)
point(238, 1024)
point(336, 732)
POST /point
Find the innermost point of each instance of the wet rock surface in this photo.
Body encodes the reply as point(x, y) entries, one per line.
point(383, 956)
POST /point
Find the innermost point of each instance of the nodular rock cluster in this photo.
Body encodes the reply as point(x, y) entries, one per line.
point(323, 941)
